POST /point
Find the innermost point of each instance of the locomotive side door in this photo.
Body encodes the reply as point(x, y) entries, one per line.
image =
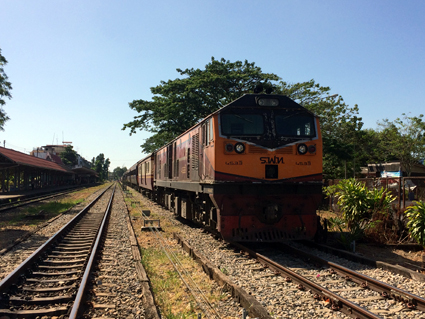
point(170, 161)
point(202, 150)
point(194, 156)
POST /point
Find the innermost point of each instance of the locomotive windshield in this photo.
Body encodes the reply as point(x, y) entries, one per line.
point(242, 124)
point(270, 128)
point(295, 125)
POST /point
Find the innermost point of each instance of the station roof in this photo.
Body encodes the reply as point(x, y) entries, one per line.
point(9, 157)
point(80, 170)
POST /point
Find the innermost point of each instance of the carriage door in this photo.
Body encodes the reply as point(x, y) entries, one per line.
point(170, 161)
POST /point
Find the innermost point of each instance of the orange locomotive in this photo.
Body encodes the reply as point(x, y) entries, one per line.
point(251, 171)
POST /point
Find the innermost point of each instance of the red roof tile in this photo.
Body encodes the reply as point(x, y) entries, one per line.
point(27, 160)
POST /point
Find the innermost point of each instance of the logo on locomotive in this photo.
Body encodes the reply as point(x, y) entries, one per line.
point(271, 160)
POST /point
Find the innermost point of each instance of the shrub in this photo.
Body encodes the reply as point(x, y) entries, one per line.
point(416, 222)
point(358, 206)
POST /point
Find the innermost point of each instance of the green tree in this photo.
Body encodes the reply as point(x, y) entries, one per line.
point(339, 124)
point(404, 140)
point(179, 104)
point(118, 172)
point(69, 157)
point(5, 88)
point(106, 168)
point(101, 166)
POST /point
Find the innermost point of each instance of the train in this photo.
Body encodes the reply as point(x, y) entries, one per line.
point(251, 171)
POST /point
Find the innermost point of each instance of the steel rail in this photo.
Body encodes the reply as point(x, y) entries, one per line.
point(27, 263)
point(387, 291)
point(76, 307)
point(337, 302)
point(35, 199)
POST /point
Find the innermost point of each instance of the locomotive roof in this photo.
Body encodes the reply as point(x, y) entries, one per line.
point(250, 100)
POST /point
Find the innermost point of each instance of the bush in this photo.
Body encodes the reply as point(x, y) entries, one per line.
point(358, 206)
point(416, 222)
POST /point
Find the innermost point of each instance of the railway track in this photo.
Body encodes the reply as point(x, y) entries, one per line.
point(52, 281)
point(341, 288)
point(35, 199)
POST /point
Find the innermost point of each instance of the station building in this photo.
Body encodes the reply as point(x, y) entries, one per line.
point(23, 172)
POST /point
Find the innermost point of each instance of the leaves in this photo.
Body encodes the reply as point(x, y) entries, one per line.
point(339, 123)
point(118, 172)
point(179, 104)
point(358, 204)
point(69, 156)
point(416, 222)
point(404, 140)
point(101, 166)
point(5, 88)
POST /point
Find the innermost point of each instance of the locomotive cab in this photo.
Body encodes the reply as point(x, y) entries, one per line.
point(268, 169)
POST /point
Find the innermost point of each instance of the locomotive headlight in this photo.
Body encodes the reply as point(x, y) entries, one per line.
point(268, 102)
point(312, 149)
point(229, 147)
point(302, 149)
point(239, 148)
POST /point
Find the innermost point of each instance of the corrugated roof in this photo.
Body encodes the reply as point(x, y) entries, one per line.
point(27, 160)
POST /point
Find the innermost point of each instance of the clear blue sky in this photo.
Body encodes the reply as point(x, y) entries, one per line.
point(75, 65)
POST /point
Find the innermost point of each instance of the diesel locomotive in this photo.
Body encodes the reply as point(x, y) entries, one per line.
point(251, 171)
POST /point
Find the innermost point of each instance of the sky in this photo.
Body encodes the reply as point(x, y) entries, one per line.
point(75, 65)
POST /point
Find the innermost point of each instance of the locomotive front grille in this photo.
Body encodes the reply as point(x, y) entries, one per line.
point(260, 150)
point(256, 149)
point(272, 171)
point(285, 150)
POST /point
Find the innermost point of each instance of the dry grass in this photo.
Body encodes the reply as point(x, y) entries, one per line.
point(170, 293)
point(18, 222)
point(327, 214)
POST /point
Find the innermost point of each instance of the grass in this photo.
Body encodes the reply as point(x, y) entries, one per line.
point(36, 214)
point(28, 216)
point(170, 293)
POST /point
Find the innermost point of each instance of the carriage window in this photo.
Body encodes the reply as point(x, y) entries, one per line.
point(242, 124)
point(301, 125)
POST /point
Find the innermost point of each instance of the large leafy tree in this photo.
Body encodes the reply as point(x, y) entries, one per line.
point(101, 166)
point(69, 156)
point(404, 140)
point(118, 172)
point(371, 148)
point(339, 124)
point(5, 88)
point(179, 104)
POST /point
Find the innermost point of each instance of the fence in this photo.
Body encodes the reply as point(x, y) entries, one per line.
point(405, 189)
